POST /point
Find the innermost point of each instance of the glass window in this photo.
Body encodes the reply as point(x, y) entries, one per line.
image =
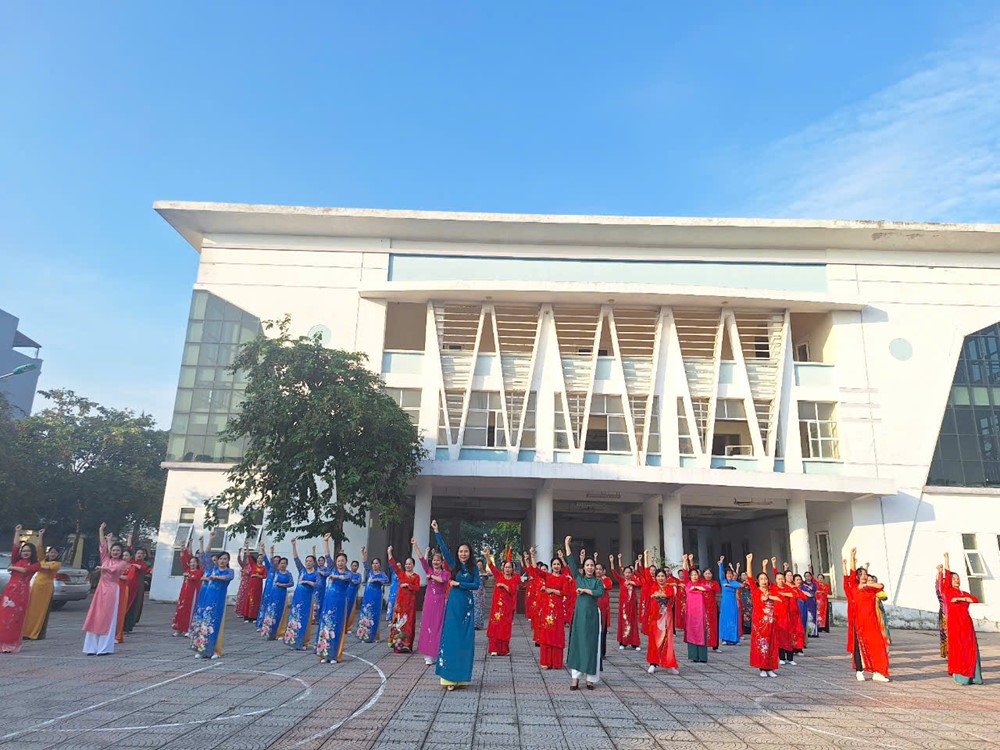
point(967, 448)
point(484, 425)
point(606, 428)
point(208, 393)
point(561, 436)
point(515, 405)
point(408, 399)
point(818, 430)
point(975, 567)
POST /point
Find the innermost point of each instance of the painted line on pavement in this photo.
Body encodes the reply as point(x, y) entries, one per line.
point(371, 702)
point(70, 715)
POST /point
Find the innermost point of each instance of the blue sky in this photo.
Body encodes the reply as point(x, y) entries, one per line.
point(785, 109)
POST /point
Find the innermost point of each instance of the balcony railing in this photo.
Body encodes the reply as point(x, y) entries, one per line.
point(407, 363)
point(815, 375)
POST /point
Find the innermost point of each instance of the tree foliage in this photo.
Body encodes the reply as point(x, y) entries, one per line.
point(80, 462)
point(325, 445)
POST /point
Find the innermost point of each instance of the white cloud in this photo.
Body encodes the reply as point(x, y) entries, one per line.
point(926, 148)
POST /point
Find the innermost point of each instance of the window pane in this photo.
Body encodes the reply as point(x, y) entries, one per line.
point(477, 419)
point(974, 564)
point(617, 442)
point(969, 542)
point(824, 411)
point(949, 447)
point(411, 398)
point(476, 436)
point(479, 400)
point(975, 474)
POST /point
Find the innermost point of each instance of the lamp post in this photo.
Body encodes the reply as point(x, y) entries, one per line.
point(19, 370)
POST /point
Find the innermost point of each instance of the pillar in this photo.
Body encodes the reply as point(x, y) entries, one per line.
point(798, 533)
point(422, 519)
point(624, 539)
point(544, 510)
point(703, 561)
point(673, 533)
point(651, 525)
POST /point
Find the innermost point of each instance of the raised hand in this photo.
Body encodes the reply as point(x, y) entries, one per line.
point(434, 526)
point(413, 541)
point(388, 551)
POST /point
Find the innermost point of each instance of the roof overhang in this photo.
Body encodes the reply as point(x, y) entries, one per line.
point(196, 220)
point(23, 342)
point(705, 486)
point(586, 293)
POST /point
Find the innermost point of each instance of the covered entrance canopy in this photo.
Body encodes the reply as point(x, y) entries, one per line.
point(707, 512)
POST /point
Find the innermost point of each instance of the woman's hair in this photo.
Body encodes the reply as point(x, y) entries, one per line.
point(857, 574)
point(224, 554)
point(376, 560)
point(411, 561)
point(340, 555)
point(30, 546)
point(119, 545)
point(469, 565)
point(762, 573)
point(313, 558)
point(196, 559)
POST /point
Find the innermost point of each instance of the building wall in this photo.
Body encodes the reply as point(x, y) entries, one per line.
point(893, 364)
point(19, 390)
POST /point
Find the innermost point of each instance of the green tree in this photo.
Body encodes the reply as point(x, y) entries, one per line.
point(78, 462)
point(325, 445)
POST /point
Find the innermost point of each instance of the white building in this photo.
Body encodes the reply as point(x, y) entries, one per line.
point(715, 386)
point(17, 350)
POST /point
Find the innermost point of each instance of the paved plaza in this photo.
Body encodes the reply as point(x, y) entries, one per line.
point(153, 694)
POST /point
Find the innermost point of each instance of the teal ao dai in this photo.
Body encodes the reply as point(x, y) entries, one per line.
point(458, 635)
point(584, 654)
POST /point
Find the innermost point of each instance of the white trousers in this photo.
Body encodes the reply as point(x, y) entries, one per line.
point(103, 644)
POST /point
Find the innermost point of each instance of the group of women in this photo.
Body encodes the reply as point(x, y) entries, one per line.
point(778, 610)
point(114, 611)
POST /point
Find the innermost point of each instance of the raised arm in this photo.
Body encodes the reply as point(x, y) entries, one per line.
point(445, 552)
point(722, 570)
point(571, 562)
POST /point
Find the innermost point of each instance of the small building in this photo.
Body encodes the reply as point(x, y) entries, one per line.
point(18, 350)
point(713, 386)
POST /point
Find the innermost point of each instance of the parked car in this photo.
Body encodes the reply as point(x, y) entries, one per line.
point(70, 585)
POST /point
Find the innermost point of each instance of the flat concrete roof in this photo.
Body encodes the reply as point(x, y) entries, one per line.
point(194, 220)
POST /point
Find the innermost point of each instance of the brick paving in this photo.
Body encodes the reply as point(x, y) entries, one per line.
point(153, 694)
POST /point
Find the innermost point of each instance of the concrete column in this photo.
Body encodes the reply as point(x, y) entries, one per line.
point(703, 561)
point(624, 538)
point(673, 533)
point(798, 533)
point(651, 524)
point(544, 507)
point(422, 518)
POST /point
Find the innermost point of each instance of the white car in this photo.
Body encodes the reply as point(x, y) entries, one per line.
point(70, 584)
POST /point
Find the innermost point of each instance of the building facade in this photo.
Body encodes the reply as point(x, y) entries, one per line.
point(17, 350)
point(785, 388)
